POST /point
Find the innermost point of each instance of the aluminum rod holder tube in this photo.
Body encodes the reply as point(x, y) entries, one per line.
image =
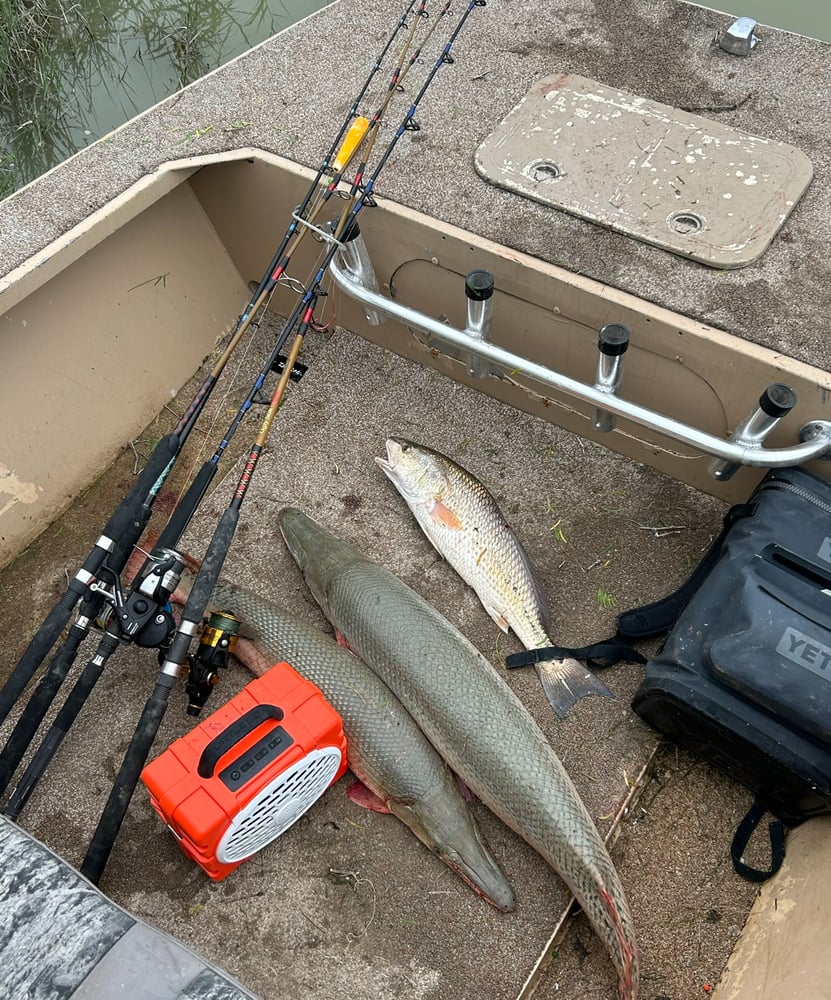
point(355, 257)
point(815, 435)
point(612, 343)
point(479, 294)
point(775, 402)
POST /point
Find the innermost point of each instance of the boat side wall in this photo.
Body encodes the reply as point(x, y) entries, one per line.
point(104, 326)
point(95, 337)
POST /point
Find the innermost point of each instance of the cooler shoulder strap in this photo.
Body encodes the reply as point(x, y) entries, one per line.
point(776, 832)
point(638, 623)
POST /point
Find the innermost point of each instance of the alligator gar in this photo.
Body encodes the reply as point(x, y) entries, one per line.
point(462, 520)
point(386, 750)
point(472, 718)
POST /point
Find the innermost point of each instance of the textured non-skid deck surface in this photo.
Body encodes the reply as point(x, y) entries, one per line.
point(289, 95)
point(347, 903)
point(396, 922)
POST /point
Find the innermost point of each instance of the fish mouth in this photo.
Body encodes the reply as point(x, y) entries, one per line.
point(395, 450)
point(292, 524)
point(456, 839)
point(490, 885)
point(311, 547)
point(395, 468)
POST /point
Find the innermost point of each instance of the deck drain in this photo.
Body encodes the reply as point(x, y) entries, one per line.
point(544, 170)
point(686, 223)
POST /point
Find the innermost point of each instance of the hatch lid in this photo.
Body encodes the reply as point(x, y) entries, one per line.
point(677, 180)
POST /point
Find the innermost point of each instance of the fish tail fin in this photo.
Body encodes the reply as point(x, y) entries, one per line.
point(566, 681)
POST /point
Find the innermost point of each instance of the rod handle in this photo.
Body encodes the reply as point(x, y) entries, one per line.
point(68, 713)
point(120, 533)
point(125, 783)
point(124, 516)
point(38, 705)
point(33, 773)
point(186, 508)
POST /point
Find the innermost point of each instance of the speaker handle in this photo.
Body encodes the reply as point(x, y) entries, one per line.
point(237, 731)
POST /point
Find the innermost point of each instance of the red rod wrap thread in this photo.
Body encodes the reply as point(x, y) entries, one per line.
point(247, 473)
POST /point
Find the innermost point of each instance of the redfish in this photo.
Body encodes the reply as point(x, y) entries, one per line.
point(464, 523)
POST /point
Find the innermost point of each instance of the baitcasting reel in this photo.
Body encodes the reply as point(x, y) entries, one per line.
point(144, 616)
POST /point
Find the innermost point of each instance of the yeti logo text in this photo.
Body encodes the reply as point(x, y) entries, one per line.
point(825, 550)
point(806, 651)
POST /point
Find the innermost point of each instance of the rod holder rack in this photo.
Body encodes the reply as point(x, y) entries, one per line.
point(356, 260)
point(479, 287)
point(815, 436)
point(776, 402)
point(612, 344)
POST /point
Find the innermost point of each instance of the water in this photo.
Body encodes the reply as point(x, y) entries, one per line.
point(806, 17)
point(70, 72)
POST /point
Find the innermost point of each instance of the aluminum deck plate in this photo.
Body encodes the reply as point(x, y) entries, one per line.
point(674, 179)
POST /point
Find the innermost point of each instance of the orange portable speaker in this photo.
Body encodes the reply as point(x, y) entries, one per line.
point(247, 772)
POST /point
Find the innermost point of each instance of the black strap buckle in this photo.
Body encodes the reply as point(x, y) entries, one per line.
point(776, 832)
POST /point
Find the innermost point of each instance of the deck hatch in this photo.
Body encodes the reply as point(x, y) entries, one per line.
point(671, 178)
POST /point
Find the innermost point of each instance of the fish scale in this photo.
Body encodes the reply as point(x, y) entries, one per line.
point(386, 749)
point(465, 525)
point(472, 718)
point(482, 548)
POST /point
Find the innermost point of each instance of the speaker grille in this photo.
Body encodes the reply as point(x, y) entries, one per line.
point(278, 805)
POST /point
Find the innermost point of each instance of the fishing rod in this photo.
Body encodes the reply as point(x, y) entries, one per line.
point(163, 578)
point(297, 230)
point(134, 760)
point(199, 486)
point(126, 525)
point(127, 522)
point(141, 615)
point(208, 575)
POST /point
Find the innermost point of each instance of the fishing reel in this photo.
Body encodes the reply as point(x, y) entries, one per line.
point(143, 615)
point(219, 640)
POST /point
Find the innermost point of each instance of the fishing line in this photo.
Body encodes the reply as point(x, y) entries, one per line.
point(233, 380)
point(111, 552)
point(395, 85)
point(290, 244)
point(127, 523)
point(217, 551)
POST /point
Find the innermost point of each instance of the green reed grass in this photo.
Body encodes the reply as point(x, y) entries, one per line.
point(57, 57)
point(46, 47)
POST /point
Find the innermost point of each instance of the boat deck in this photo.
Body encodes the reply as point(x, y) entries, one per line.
point(286, 96)
point(605, 532)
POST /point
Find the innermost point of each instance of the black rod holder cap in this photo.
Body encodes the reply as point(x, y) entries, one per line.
point(613, 340)
point(777, 400)
point(479, 285)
